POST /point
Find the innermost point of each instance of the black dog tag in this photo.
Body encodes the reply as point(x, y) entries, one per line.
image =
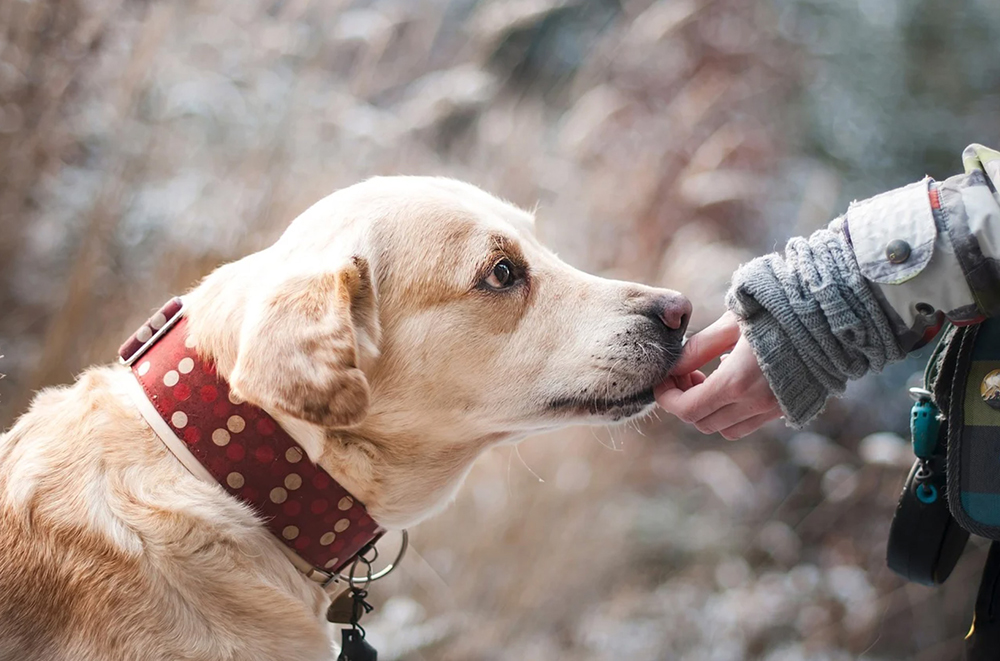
point(354, 647)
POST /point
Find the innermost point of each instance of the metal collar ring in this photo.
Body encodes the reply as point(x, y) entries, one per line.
point(353, 580)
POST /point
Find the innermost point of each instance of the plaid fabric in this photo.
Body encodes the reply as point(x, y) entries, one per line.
point(974, 431)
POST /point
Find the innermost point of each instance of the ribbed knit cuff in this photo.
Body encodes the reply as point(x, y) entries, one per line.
point(800, 396)
point(812, 320)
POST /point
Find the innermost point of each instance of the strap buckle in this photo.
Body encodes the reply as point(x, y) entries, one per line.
point(151, 331)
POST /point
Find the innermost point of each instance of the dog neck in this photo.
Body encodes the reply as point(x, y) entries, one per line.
point(404, 478)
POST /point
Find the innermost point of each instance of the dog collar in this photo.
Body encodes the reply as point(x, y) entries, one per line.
point(240, 447)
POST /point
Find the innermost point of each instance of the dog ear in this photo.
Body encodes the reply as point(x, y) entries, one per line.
point(299, 346)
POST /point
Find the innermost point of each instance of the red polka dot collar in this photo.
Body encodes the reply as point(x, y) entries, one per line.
point(242, 448)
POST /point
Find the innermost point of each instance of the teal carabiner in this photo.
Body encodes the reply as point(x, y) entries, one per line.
point(924, 424)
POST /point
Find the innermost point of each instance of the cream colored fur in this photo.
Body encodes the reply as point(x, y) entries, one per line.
point(371, 333)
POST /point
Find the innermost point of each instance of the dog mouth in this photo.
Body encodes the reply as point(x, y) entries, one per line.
point(615, 409)
point(633, 398)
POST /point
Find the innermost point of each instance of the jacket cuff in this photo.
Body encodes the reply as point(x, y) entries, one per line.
point(893, 233)
point(921, 247)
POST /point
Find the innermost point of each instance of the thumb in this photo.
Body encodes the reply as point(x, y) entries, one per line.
point(710, 343)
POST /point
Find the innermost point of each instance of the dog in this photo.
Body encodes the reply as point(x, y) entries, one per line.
point(397, 330)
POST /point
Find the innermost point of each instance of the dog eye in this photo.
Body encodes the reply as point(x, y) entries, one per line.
point(502, 275)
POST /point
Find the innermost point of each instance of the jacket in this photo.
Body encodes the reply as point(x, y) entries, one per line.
point(873, 285)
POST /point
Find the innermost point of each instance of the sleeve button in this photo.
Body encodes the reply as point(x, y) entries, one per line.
point(897, 251)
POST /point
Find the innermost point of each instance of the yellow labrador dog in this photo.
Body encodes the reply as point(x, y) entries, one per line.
point(397, 330)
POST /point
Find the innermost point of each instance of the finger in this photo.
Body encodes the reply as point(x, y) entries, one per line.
point(697, 403)
point(670, 383)
point(702, 347)
point(671, 402)
point(683, 381)
point(690, 380)
point(750, 425)
point(680, 381)
point(725, 417)
point(751, 402)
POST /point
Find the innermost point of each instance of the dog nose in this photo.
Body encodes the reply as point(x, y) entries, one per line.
point(675, 311)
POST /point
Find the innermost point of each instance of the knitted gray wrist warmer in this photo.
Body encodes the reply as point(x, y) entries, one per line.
point(812, 320)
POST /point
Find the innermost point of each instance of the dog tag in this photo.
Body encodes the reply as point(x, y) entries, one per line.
point(341, 609)
point(354, 647)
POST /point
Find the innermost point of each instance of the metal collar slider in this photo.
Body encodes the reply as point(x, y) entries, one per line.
point(151, 331)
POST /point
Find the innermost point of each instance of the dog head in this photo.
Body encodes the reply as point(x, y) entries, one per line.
point(401, 326)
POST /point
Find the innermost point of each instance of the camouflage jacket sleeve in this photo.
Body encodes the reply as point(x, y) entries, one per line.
point(931, 249)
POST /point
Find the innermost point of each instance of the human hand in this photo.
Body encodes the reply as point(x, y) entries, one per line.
point(735, 399)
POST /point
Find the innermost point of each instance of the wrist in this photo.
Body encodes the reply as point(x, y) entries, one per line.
point(800, 395)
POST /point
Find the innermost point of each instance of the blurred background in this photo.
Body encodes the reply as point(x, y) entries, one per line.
point(143, 143)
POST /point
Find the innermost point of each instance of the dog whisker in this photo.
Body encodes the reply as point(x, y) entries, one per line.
point(517, 451)
point(510, 456)
point(593, 432)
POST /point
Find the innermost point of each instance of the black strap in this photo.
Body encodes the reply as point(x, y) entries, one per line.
point(983, 641)
point(941, 365)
